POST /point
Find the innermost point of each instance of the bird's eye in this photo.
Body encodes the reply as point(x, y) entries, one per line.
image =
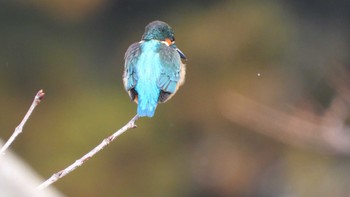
point(172, 39)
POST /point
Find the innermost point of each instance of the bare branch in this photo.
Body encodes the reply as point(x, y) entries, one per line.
point(82, 160)
point(38, 97)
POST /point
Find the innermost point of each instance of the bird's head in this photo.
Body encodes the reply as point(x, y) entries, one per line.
point(159, 30)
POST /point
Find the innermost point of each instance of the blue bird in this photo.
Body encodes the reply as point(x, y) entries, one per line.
point(153, 69)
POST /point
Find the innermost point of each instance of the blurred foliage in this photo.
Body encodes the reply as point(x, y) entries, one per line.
point(277, 52)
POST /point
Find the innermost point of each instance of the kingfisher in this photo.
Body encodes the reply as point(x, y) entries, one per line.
point(153, 69)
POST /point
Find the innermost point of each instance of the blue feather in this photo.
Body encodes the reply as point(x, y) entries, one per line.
point(152, 74)
point(148, 70)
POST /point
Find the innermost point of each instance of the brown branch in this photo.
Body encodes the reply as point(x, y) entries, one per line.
point(82, 160)
point(38, 97)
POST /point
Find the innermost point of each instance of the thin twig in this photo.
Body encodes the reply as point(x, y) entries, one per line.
point(82, 160)
point(38, 97)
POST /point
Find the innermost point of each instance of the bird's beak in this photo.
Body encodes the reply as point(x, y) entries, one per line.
point(182, 55)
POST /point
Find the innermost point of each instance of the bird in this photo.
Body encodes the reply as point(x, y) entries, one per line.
point(153, 69)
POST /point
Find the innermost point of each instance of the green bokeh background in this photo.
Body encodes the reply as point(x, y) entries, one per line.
point(74, 51)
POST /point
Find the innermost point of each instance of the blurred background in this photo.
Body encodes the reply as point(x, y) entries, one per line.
point(264, 110)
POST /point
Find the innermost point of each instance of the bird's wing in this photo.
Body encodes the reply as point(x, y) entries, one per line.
point(130, 76)
point(170, 74)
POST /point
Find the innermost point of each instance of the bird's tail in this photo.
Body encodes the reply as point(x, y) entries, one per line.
point(146, 107)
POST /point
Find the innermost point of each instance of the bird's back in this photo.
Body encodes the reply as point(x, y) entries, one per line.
point(148, 70)
point(153, 68)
